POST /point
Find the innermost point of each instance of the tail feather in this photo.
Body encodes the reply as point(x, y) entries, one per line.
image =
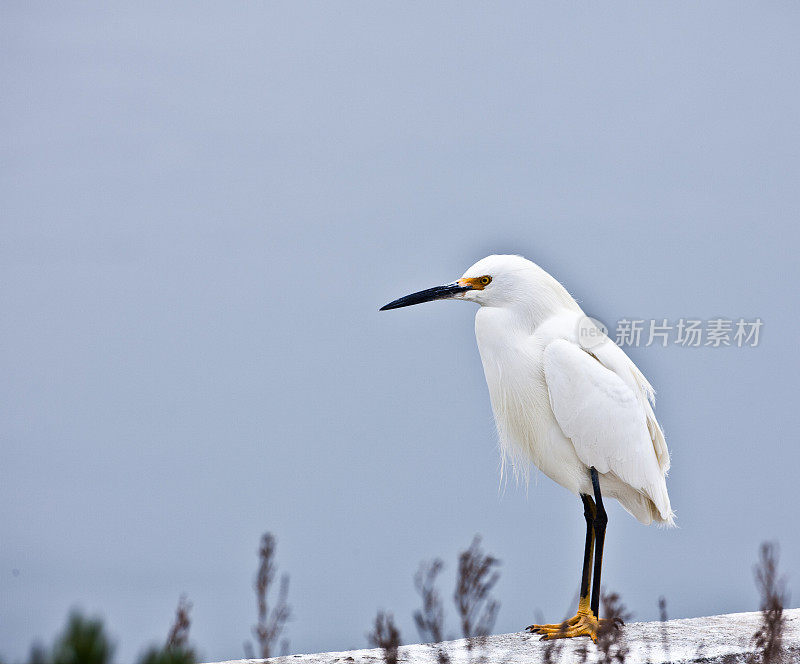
point(646, 510)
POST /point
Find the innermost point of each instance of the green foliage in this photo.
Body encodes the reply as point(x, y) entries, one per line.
point(168, 655)
point(38, 655)
point(83, 641)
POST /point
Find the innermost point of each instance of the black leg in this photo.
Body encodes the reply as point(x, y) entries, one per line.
point(600, 521)
point(589, 512)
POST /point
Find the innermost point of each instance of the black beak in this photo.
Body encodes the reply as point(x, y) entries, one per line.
point(437, 293)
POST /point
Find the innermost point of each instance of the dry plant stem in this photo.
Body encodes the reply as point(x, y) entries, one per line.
point(430, 619)
point(270, 623)
point(178, 636)
point(385, 635)
point(768, 639)
point(662, 616)
point(476, 578)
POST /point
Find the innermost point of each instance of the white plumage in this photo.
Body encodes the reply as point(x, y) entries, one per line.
point(560, 406)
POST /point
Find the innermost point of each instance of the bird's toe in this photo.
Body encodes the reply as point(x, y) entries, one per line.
point(583, 624)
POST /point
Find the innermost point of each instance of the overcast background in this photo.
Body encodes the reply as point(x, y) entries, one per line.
point(204, 205)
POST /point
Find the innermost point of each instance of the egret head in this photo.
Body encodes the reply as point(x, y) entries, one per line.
point(492, 281)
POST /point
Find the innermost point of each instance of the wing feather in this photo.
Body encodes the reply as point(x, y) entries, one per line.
point(608, 418)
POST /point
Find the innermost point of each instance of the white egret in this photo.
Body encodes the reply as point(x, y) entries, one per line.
point(579, 410)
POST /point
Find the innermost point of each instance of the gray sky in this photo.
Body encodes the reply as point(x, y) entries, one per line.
point(203, 207)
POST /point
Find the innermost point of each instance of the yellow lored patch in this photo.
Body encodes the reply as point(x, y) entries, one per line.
point(476, 283)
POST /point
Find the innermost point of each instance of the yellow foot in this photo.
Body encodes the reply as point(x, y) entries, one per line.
point(582, 624)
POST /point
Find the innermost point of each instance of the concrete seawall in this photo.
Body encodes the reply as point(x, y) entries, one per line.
point(726, 639)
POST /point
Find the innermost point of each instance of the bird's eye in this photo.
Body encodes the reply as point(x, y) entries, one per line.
point(486, 280)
